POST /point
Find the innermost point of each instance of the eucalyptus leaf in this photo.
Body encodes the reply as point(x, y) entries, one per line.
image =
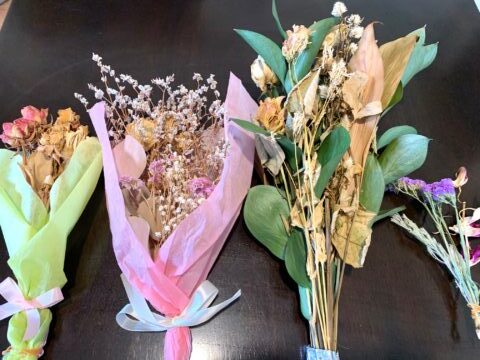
point(277, 19)
point(393, 133)
point(373, 185)
point(263, 213)
point(296, 258)
point(331, 151)
point(249, 126)
point(422, 56)
point(402, 156)
point(305, 302)
point(306, 59)
point(382, 214)
point(266, 48)
point(293, 153)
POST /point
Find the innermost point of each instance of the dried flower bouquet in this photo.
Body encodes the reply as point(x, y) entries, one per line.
point(324, 90)
point(448, 244)
point(174, 191)
point(47, 178)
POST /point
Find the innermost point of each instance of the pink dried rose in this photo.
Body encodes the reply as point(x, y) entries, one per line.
point(17, 131)
point(32, 113)
point(201, 187)
point(21, 130)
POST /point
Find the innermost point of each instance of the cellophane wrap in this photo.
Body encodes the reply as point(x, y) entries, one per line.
point(188, 254)
point(320, 354)
point(36, 238)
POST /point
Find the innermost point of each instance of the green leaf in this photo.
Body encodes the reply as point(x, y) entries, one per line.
point(396, 98)
point(263, 213)
point(331, 151)
point(277, 19)
point(293, 153)
point(305, 302)
point(393, 133)
point(305, 60)
point(373, 185)
point(422, 56)
point(402, 156)
point(249, 126)
point(296, 258)
point(266, 48)
point(382, 214)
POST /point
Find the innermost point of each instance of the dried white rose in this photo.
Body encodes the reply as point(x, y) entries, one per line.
point(261, 74)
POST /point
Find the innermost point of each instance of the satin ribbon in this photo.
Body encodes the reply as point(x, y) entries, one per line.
point(16, 302)
point(137, 315)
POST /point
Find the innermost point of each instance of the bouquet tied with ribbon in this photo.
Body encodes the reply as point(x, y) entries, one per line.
point(47, 178)
point(176, 173)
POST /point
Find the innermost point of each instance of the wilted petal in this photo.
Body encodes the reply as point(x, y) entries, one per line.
point(475, 256)
point(270, 153)
point(130, 158)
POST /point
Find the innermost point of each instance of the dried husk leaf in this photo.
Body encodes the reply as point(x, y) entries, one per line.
point(352, 91)
point(303, 97)
point(395, 56)
point(144, 211)
point(367, 59)
point(320, 251)
point(295, 218)
point(37, 168)
point(352, 236)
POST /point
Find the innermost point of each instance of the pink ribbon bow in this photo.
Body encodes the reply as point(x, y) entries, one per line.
point(16, 302)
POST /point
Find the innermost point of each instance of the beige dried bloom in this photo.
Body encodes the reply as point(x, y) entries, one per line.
point(297, 40)
point(262, 75)
point(271, 114)
point(143, 131)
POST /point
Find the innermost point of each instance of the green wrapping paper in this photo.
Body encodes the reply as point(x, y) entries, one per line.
point(36, 238)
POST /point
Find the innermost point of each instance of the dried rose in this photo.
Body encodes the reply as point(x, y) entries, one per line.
point(72, 139)
point(262, 75)
point(32, 113)
point(296, 42)
point(271, 115)
point(143, 131)
point(68, 118)
point(16, 133)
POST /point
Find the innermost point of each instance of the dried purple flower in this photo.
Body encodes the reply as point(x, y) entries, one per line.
point(411, 184)
point(440, 190)
point(201, 187)
point(156, 170)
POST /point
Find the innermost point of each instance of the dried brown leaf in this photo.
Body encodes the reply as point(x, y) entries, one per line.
point(352, 236)
point(395, 56)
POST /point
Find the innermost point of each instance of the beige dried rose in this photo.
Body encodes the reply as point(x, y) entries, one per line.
point(143, 131)
point(73, 139)
point(262, 75)
point(297, 40)
point(271, 114)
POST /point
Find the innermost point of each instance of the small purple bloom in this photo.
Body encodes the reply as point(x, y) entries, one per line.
point(440, 190)
point(156, 170)
point(412, 184)
point(201, 187)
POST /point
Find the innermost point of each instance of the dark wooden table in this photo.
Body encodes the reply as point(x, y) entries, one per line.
point(399, 306)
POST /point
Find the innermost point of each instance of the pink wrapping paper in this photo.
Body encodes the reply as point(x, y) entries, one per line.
point(187, 256)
